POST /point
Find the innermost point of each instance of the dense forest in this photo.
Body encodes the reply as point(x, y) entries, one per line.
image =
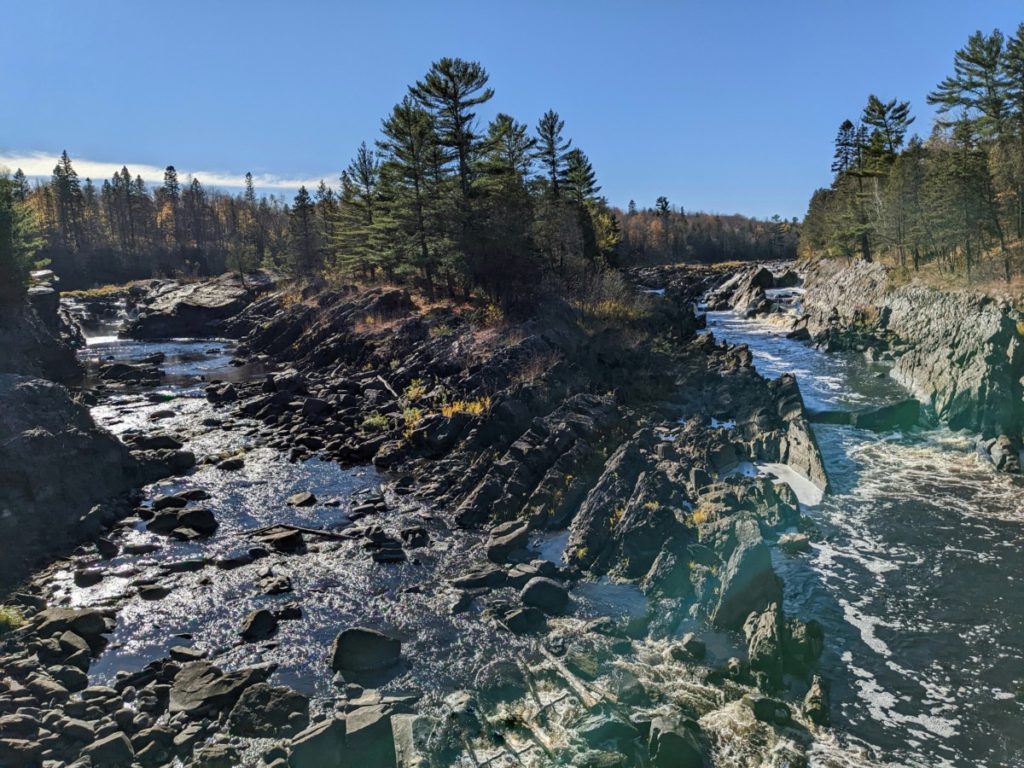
point(954, 201)
point(437, 200)
point(664, 235)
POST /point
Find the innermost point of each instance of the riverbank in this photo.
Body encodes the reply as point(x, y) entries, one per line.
point(540, 519)
point(958, 352)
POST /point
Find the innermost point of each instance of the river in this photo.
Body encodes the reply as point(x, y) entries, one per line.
point(916, 573)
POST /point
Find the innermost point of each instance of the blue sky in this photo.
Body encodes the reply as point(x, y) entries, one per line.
point(725, 106)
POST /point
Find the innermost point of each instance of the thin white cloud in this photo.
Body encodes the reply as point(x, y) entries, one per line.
point(40, 164)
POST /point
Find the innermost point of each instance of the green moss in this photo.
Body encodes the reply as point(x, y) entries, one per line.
point(10, 619)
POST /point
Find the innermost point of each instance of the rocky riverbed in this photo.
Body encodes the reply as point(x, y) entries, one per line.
point(413, 537)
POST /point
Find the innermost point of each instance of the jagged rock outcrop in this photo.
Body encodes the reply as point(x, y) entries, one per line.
point(960, 353)
point(171, 309)
point(31, 343)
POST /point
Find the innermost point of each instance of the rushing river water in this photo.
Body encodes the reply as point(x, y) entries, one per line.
point(918, 576)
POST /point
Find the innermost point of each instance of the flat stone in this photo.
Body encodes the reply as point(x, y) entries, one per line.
point(321, 744)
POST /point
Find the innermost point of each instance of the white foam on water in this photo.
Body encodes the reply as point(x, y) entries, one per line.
point(96, 341)
point(807, 493)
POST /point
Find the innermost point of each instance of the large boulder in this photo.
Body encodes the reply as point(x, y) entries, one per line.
point(369, 739)
point(364, 650)
point(546, 594)
point(113, 751)
point(31, 345)
point(763, 632)
point(54, 464)
point(506, 538)
point(320, 745)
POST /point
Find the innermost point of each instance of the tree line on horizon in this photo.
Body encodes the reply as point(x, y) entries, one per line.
point(954, 200)
point(665, 235)
point(438, 201)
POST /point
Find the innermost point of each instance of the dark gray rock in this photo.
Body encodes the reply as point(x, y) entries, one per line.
point(748, 582)
point(763, 632)
point(816, 702)
point(546, 594)
point(172, 310)
point(505, 538)
point(369, 739)
point(902, 415)
point(675, 743)
point(269, 710)
point(320, 745)
point(200, 689)
point(364, 650)
point(56, 464)
point(258, 625)
point(113, 751)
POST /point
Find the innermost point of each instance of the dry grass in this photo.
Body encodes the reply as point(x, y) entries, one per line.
point(987, 275)
point(536, 367)
point(101, 292)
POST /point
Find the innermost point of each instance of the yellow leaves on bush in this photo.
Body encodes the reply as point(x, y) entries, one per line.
point(416, 390)
point(700, 516)
point(411, 417)
point(476, 407)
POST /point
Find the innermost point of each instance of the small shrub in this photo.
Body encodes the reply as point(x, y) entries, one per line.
point(700, 516)
point(411, 417)
point(475, 407)
point(487, 316)
point(375, 422)
point(10, 619)
point(416, 390)
point(442, 331)
point(615, 517)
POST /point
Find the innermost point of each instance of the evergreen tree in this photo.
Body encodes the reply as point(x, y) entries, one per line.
point(305, 247)
point(978, 84)
point(449, 92)
point(19, 242)
point(551, 149)
point(21, 187)
point(68, 200)
point(580, 180)
point(408, 147)
point(508, 156)
point(847, 149)
point(890, 121)
point(357, 208)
